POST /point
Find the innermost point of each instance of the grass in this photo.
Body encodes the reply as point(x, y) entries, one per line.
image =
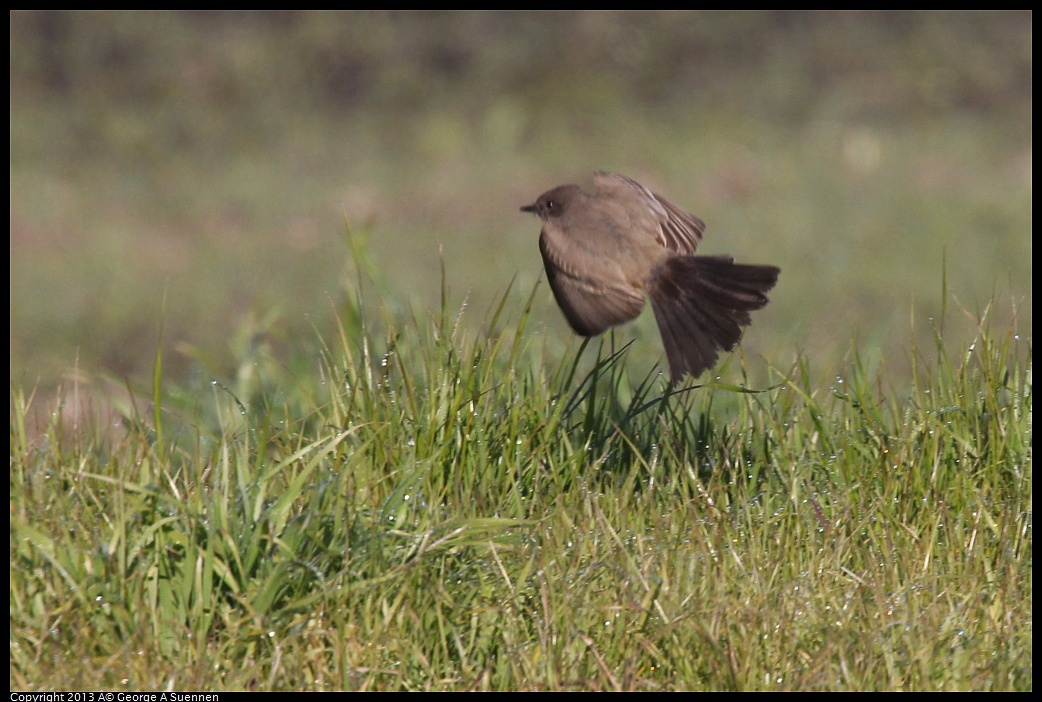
point(431, 508)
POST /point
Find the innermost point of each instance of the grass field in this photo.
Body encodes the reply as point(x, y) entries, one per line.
point(435, 510)
point(291, 406)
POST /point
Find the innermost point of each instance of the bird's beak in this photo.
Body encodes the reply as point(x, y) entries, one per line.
point(528, 208)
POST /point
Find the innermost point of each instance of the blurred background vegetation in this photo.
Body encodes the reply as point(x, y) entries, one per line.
point(212, 158)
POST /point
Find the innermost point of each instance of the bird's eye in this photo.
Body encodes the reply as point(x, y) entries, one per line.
point(551, 205)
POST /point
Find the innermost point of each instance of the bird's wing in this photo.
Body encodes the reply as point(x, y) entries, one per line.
point(589, 308)
point(675, 229)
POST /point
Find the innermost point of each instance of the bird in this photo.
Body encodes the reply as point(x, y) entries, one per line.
point(608, 248)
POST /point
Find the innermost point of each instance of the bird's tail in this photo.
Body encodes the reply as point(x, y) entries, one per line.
point(701, 304)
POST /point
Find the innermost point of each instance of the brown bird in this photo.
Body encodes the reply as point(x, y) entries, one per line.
point(605, 249)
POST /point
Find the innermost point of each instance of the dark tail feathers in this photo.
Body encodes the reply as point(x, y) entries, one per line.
point(701, 304)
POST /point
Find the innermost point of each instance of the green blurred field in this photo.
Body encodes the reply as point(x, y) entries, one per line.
point(212, 158)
